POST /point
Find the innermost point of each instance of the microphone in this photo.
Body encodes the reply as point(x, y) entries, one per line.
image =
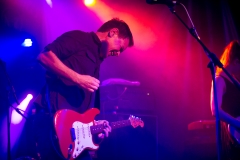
point(169, 3)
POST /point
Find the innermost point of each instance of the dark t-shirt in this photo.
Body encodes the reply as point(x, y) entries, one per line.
point(231, 105)
point(79, 51)
point(231, 99)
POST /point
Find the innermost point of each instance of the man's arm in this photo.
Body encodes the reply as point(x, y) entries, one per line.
point(220, 85)
point(53, 64)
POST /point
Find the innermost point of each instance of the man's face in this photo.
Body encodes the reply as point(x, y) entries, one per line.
point(115, 44)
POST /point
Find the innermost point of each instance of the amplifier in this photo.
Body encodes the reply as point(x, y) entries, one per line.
point(131, 98)
point(130, 143)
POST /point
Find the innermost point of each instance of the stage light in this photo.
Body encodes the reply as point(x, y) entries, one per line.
point(27, 43)
point(16, 117)
point(49, 2)
point(89, 3)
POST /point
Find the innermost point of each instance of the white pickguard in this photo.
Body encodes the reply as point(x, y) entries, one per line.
point(83, 138)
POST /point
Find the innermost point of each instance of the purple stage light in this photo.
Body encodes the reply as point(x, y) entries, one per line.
point(27, 43)
point(16, 117)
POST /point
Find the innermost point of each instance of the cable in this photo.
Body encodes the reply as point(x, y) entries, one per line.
point(193, 27)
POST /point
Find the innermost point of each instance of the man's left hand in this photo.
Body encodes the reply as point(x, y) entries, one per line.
point(107, 128)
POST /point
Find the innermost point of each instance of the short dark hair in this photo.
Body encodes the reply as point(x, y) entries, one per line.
point(124, 30)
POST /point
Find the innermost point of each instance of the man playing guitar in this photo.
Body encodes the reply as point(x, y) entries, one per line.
point(72, 64)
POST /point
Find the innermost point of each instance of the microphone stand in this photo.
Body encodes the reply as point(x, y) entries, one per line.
point(214, 61)
point(8, 113)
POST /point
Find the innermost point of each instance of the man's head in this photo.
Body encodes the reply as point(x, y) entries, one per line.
point(116, 36)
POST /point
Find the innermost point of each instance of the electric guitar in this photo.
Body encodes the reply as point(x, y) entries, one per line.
point(74, 130)
point(235, 133)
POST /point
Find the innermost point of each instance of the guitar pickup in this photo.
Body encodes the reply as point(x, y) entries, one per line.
point(72, 132)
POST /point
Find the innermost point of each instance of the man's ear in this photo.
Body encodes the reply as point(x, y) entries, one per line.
point(112, 32)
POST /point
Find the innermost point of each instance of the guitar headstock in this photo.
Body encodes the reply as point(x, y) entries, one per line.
point(135, 121)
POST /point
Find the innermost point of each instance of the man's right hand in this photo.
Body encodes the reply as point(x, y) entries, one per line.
point(52, 63)
point(88, 82)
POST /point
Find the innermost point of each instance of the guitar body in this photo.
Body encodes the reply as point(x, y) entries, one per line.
point(235, 133)
point(73, 131)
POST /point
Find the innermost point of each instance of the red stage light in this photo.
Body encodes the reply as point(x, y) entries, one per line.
point(89, 3)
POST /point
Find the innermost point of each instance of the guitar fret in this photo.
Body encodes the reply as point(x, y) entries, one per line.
point(120, 124)
point(99, 128)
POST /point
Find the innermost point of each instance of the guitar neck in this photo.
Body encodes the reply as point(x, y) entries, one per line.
point(114, 125)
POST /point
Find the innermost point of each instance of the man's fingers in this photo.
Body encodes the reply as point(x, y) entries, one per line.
point(106, 132)
point(106, 123)
point(90, 83)
point(91, 90)
point(97, 81)
point(101, 135)
point(106, 129)
point(94, 87)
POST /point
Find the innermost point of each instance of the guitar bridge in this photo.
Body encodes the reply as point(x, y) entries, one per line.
point(72, 132)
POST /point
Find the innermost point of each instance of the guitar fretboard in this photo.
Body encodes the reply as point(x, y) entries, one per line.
point(114, 125)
